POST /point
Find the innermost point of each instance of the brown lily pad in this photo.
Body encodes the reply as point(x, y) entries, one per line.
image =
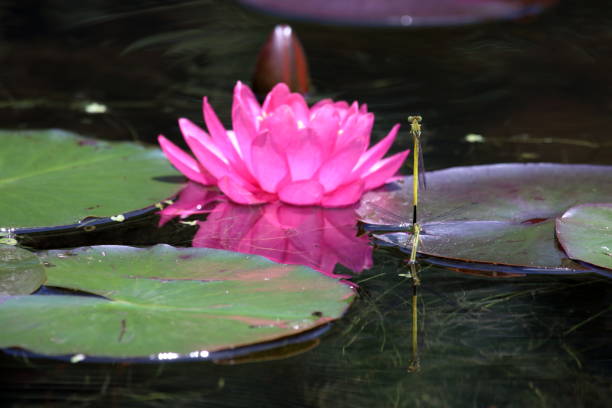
point(501, 214)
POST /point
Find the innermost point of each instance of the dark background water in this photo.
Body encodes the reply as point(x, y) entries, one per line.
point(536, 90)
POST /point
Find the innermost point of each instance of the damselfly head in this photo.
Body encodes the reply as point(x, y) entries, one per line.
point(415, 124)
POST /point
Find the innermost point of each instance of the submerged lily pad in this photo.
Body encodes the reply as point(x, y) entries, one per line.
point(403, 12)
point(52, 178)
point(165, 301)
point(585, 232)
point(21, 271)
point(502, 214)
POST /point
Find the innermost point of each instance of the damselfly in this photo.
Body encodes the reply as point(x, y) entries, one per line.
point(418, 169)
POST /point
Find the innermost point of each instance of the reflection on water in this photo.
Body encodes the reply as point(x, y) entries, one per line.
point(312, 236)
point(539, 90)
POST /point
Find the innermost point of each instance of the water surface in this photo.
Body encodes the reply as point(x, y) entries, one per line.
point(536, 90)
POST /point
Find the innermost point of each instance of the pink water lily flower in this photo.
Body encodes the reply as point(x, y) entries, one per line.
point(286, 151)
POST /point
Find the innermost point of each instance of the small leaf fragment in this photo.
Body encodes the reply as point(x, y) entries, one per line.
point(585, 233)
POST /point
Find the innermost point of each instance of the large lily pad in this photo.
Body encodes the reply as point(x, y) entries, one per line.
point(167, 302)
point(52, 178)
point(21, 271)
point(585, 232)
point(502, 214)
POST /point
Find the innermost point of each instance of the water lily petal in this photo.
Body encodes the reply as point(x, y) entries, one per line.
point(245, 131)
point(204, 149)
point(304, 158)
point(240, 194)
point(325, 123)
point(300, 109)
point(269, 166)
point(357, 128)
point(215, 127)
point(370, 157)
point(342, 106)
point(364, 128)
point(277, 97)
point(304, 192)
point(336, 170)
point(244, 97)
point(323, 102)
point(344, 195)
point(226, 142)
point(245, 111)
point(218, 133)
point(185, 163)
point(346, 111)
point(384, 169)
point(283, 128)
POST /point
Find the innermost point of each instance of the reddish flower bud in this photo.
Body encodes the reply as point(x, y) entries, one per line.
point(281, 59)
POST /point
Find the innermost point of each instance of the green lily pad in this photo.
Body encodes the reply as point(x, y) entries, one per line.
point(167, 302)
point(52, 178)
point(585, 232)
point(21, 271)
point(501, 214)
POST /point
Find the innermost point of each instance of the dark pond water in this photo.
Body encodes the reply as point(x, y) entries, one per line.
point(539, 89)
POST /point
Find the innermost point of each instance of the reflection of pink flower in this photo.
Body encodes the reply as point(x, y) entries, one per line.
point(194, 199)
point(312, 236)
point(286, 151)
